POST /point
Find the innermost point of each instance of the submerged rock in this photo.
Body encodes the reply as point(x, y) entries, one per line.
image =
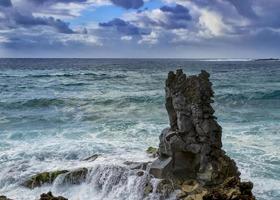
point(4, 198)
point(42, 178)
point(91, 158)
point(76, 176)
point(49, 196)
point(190, 150)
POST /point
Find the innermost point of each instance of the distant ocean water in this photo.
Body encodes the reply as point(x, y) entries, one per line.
point(56, 112)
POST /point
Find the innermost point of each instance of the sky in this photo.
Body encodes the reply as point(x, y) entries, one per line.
point(140, 28)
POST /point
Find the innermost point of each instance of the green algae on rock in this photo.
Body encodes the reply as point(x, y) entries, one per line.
point(42, 178)
point(75, 177)
point(152, 151)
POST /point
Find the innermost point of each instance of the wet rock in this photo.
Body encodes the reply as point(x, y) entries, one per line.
point(148, 189)
point(161, 167)
point(42, 178)
point(231, 182)
point(215, 195)
point(140, 173)
point(91, 158)
point(181, 195)
point(196, 196)
point(246, 188)
point(76, 176)
point(4, 198)
point(231, 189)
point(137, 165)
point(165, 188)
point(49, 196)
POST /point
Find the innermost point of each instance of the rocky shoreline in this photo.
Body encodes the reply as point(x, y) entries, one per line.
point(189, 163)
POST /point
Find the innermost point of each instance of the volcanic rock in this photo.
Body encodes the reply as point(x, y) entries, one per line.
point(190, 150)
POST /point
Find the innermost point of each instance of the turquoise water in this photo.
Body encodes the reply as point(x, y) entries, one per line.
point(55, 112)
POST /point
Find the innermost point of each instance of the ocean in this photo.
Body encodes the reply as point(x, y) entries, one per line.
point(56, 112)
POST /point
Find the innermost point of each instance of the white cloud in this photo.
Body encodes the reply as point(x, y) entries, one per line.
point(126, 38)
point(80, 38)
point(152, 38)
point(212, 24)
point(3, 39)
point(184, 35)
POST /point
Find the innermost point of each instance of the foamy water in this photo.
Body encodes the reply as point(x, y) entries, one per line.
point(54, 113)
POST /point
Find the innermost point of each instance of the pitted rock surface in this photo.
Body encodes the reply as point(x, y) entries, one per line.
point(191, 148)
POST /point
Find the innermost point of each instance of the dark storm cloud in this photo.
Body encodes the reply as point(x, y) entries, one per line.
point(14, 19)
point(177, 17)
point(5, 3)
point(123, 27)
point(178, 12)
point(129, 4)
point(30, 20)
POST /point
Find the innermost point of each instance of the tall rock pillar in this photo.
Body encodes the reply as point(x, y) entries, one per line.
point(191, 147)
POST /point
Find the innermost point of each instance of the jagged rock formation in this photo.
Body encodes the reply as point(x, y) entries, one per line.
point(191, 148)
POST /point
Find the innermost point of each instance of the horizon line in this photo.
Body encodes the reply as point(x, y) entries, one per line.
point(252, 58)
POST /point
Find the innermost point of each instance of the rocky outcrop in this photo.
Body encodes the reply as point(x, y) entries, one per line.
point(42, 178)
point(76, 176)
point(49, 196)
point(231, 189)
point(190, 150)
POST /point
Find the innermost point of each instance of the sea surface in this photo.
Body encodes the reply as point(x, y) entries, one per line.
point(56, 112)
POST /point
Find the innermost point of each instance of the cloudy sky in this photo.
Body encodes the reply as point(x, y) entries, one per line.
point(140, 28)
